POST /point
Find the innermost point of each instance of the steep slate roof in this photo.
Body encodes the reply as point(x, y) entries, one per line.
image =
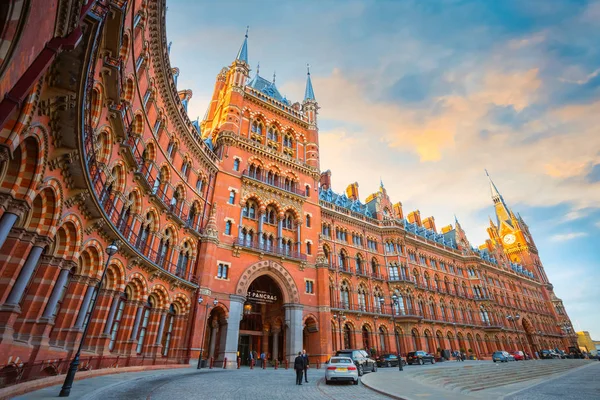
point(343, 201)
point(261, 84)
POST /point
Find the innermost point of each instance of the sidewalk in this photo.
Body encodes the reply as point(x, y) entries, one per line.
point(83, 387)
point(397, 385)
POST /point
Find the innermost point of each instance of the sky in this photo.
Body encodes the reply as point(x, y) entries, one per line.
point(427, 95)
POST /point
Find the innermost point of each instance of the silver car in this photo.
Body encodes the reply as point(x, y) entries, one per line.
point(341, 369)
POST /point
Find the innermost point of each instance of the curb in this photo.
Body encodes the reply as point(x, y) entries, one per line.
point(392, 396)
point(26, 387)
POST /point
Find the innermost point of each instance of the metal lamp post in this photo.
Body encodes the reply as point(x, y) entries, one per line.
point(395, 303)
point(339, 318)
point(65, 391)
point(207, 305)
point(514, 320)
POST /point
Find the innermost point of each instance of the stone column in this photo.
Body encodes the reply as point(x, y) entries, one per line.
point(260, 229)
point(136, 323)
point(16, 294)
point(298, 238)
point(293, 319)
point(6, 223)
point(161, 328)
point(111, 314)
point(214, 328)
point(236, 305)
point(275, 352)
point(84, 306)
point(265, 342)
point(279, 232)
point(240, 223)
point(56, 293)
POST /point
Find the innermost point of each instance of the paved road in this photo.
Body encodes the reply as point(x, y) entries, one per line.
point(581, 384)
point(216, 384)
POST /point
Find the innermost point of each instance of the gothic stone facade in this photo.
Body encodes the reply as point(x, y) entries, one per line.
point(96, 147)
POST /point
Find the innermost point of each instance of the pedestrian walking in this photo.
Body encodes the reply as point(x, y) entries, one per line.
point(306, 365)
point(250, 358)
point(299, 367)
point(262, 359)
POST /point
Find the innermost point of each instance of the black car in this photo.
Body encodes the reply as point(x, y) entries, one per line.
point(389, 360)
point(548, 355)
point(419, 357)
point(362, 360)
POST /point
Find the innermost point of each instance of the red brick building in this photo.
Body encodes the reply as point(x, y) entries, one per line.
point(96, 146)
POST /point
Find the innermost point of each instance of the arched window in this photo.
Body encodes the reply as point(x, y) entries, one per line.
point(343, 261)
point(236, 164)
point(114, 330)
point(270, 216)
point(345, 295)
point(359, 265)
point(362, 299)
point(183, 260)
point(228, 228)
point(171, 149)
point(144, 326)
point(288, 221)
point(249, 210)
point(163, 250)
point(166, 341)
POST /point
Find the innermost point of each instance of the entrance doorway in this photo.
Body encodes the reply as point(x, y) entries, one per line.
point(262, 330)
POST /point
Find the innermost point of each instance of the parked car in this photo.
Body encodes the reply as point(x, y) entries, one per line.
point(518, 355)
point(361, 359)
point(389, 360)
point(419, 357)
point(548, 355)
point(341, 369)
point(502, 356)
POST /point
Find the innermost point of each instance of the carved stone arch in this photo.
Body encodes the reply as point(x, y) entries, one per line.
point(162, 295)
point(275, 204)
point(275, 271)
point(297, 214)
point(251, 195)
point(139, 285)
point(115, 275)
point(311, 322)
point(184, 303)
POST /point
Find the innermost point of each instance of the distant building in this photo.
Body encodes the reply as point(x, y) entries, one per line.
point(586, 343)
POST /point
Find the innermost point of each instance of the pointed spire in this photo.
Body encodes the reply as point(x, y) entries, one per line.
point(309, 93)
point(380, 182)
point(493, 189)
point(274, 74)
point(243, 53)
point(257, 68)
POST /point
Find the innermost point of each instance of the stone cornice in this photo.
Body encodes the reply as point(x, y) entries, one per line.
point(164, 79)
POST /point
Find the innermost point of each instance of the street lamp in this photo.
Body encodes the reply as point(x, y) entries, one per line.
point(339, 318)
point(207, 305)
point(395, 303)
point(514, 320)
point(65, 391)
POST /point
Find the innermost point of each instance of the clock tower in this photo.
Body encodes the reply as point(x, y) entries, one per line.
point(512, 233)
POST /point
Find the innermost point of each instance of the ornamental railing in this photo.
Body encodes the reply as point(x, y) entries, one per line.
point(275, 182)
point(270, 249)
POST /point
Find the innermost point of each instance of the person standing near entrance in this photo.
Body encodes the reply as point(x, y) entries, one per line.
point(299, 367)
point(306, 364)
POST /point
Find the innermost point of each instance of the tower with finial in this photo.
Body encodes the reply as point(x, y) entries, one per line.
point(240, 66)
point(309, 105)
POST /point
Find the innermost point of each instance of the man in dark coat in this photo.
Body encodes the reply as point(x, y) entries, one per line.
point(299, 367)
point(306, 363)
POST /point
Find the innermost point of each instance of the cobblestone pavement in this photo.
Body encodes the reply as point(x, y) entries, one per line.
point(210, 384)
point(581, 384)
